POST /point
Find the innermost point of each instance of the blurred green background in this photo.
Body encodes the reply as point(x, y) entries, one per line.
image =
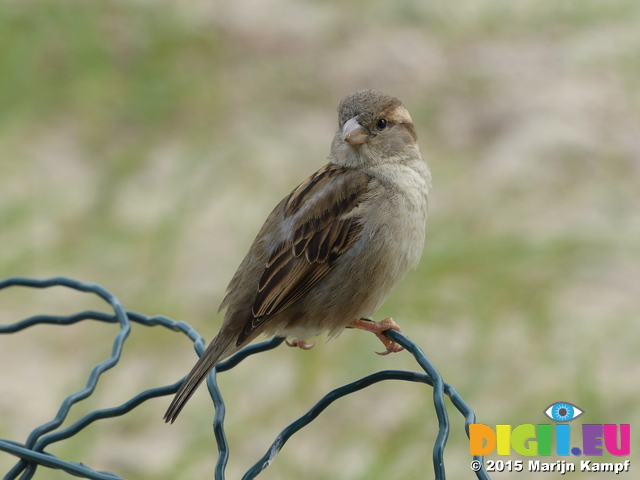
point(142, 144)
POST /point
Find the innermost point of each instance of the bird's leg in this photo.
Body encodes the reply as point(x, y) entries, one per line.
point(378, 328)
point(300, 344)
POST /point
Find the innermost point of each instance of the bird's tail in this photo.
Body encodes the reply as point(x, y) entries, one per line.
point(221, 347)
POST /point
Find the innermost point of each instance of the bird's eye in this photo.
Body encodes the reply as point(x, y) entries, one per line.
point(382, 124)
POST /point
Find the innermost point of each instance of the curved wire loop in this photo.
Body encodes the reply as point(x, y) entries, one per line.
point(32, 452)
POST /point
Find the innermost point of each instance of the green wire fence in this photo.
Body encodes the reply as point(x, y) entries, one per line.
point(32, 453)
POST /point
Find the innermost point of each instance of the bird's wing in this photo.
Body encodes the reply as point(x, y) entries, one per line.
point(324, 216)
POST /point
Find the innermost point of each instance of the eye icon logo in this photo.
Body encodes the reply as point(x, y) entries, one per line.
point(563, 412)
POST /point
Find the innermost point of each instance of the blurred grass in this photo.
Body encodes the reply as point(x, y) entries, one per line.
point(144, 143)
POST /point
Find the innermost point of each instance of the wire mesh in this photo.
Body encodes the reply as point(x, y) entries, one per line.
point(32, 452)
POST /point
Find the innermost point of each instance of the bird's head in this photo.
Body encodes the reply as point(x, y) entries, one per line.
point(372, 128)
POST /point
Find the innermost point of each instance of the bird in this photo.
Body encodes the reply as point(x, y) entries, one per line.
point(331, 251)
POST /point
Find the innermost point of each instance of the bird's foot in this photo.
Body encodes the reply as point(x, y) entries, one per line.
point(300, 344)
point(378, 328)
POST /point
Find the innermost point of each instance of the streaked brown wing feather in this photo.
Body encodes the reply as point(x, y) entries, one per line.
point(325, 226)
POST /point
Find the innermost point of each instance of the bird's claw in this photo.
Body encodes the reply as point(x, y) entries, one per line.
point(300, 344)
point(378, 329)
point(392, 347)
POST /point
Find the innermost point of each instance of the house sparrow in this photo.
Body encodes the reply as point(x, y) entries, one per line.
point(330, 252)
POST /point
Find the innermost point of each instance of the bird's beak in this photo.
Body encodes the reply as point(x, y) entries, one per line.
point(353, 133)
